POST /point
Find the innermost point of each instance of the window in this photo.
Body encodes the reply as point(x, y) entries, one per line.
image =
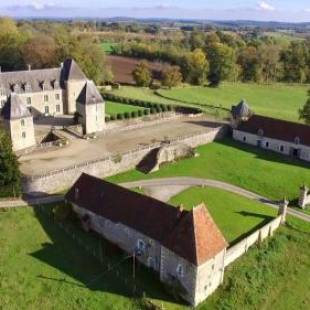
point(28, 100)
point(2, 103)
point(180, 271)
point(45, 98)
point(57, 108)
point(281, 148)
point(46, 110)
point(140, 245)
point(297, 140)
point(57, 96)
point(267, 144)
point(22, 122)
point(24, 134)
point(244, 139)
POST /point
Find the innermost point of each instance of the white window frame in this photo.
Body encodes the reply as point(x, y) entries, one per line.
point(22, 122)
point(46, 98)
point(24, 135)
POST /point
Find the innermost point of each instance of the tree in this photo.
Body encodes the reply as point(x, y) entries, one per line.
point(40, 52)
point(171, 76)
point(196, 67)
point(269, 56)
point(10, 178)
point(222, 63)
point(304, 113)
point(142, 74)
point(250, 64)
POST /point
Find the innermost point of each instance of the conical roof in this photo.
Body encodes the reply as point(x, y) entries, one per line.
point(196, 238)
point(89, 94)
point(241, 110)
point(15, 108)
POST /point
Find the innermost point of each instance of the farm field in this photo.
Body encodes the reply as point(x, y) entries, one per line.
point(277, 100)
point(54, 270)
point(113, 108)
point(266, 173)
point(234, 215)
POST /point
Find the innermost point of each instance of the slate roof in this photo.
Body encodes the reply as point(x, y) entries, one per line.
point(15, 108)
point(277, 129)
point(190, 234)
point(34, 80)
point(89, 94)
point(241, 110)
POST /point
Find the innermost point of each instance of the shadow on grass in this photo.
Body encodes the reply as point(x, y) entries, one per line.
point(112, 275)
point(265, 220)
point(264, 154)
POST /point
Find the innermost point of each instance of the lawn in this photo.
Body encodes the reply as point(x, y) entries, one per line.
point(113, 108)
point(234, 215)
point(108, 47)
point(269, 174)
point(277, 100)
point(52, 270)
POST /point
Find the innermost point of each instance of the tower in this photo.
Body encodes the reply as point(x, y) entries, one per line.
point(19, 123)
point(74, 81)
point(241, 112)
point(91, 109)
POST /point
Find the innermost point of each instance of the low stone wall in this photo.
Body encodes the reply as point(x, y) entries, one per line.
point(55, 181)
point(259, 235)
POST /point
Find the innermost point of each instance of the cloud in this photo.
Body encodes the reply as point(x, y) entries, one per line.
point(38, 5)
point(307, 10)
point(262, 5)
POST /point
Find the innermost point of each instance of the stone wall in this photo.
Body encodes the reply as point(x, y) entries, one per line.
point(279, 146)
point(59, 180)
point(259, 235)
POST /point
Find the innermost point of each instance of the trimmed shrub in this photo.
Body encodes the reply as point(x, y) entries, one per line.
point(107, 119)
point(134, 114)
point(112, 118)
point(146, 112)
point(153, 111)
point(120, 116)
point(140, 113)
point(126, 115)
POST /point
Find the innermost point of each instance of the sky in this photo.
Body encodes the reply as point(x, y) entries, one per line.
point(261, 10)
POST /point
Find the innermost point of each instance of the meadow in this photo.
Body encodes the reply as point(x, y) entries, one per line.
point(276, 100)
point(269, 174)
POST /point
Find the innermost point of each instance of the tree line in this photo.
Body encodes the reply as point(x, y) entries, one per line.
point(47, 46)
point(213, 57)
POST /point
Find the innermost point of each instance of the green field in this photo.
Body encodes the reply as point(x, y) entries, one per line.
point(234, 215)
point(263, 172)
point(113, 108)
point(41, 266)
point(277, 100)
point(108, 46)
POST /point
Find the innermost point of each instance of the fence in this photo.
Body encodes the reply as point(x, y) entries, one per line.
point(259, 235)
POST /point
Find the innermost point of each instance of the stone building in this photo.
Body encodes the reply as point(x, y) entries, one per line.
point(276, 135)
point(52, 92)
point(185, 247)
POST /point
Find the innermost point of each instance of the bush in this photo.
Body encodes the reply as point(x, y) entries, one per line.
point(134, 114)
point(169, 107)
point(120, 116)
point(146, 112)
point(152, 111)
point(126, 115)
point(112, 118)
point(107, 119)
point(140, 113)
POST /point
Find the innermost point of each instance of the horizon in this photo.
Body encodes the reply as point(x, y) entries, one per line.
point(225, 10)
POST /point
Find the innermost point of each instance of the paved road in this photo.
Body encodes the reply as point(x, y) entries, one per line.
point(185, 182)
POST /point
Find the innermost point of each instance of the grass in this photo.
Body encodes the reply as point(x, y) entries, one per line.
point(276, 100)
point(266, 173)
point(113, 108)
point(53, 271)
point(108, 47)
point(234, 215)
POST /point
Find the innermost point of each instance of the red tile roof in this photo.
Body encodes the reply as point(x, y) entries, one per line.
point(192, 235)
point(197, 236)
point(277, 129)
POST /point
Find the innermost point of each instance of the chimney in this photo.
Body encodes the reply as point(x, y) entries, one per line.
point(29, 67)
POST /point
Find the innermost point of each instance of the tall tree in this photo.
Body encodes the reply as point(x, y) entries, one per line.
point(10, 178)
point(142, 74)
point(222, 63)
point(304, 113)
point(250, 64)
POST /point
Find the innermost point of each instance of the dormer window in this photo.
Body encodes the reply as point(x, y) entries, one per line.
point(16, 88)
point(180, 270)
point(43, 85)
point(260, 132)
point(56, 84)
point(297, 140)
point(27, 87)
